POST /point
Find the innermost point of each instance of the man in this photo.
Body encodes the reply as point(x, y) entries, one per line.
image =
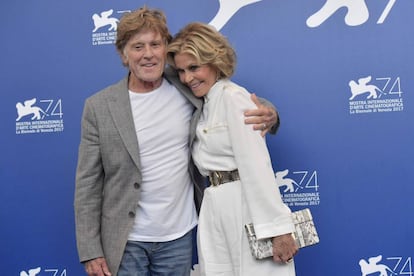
point(137, 190)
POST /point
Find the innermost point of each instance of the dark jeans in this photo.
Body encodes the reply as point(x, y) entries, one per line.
point(158, 258)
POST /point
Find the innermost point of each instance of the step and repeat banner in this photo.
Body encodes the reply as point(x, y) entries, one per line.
point(341, 73)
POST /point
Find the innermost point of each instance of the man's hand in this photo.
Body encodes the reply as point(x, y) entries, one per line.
point(284, 248)
point(97, 267)
point(262, 118)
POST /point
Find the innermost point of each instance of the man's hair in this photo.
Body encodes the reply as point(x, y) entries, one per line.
point(142, 19)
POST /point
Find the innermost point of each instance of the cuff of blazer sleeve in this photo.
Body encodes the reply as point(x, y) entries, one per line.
point(273, 229)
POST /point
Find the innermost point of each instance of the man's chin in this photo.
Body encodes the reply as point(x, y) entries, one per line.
point(152, 82)
point(152, 77)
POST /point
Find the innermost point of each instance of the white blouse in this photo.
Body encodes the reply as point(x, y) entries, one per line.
point(225, 143)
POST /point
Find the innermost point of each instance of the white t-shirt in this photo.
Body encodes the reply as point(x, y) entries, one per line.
point(166, 209)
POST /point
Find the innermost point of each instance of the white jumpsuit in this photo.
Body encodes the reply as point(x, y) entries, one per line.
point(225, 143)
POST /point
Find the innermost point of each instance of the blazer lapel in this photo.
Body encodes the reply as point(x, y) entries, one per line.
point(120, 109)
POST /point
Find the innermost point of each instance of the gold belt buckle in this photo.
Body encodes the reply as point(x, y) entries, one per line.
point(216, 178)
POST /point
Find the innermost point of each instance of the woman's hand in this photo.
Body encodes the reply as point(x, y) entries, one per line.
point(284, 248)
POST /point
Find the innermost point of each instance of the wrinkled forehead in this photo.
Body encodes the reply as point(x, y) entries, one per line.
point(153, 32)
point(146, 36)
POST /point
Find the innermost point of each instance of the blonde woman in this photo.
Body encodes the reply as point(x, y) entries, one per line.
point(236, 159)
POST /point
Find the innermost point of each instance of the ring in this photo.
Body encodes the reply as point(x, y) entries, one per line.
point(264, 126)
point(290, 260)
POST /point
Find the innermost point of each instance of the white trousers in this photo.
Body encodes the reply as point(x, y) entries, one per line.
point(223, 248)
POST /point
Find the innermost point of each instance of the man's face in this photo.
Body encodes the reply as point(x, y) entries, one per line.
point(145, 56)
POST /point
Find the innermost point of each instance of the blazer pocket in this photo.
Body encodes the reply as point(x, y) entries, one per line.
point(218, 127)
point(218, 139)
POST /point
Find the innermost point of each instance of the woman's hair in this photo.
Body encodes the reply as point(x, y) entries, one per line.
point(206, 45)
point(139, 20)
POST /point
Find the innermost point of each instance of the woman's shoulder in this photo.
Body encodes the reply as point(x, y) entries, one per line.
point(230, 86)
point(236, 94)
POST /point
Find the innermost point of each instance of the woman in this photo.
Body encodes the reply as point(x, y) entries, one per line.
point(235, 157)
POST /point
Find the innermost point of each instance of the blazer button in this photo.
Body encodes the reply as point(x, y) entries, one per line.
point(136, 185)
point(131, 214)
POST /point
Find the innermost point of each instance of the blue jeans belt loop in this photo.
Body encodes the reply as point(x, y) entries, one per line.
point(221, 177)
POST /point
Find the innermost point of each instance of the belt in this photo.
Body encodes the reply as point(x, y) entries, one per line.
point(221, 177)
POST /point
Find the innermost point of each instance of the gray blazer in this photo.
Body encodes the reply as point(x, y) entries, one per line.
point(108, 175)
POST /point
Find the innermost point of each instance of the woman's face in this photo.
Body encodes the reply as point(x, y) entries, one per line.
point(199, 78)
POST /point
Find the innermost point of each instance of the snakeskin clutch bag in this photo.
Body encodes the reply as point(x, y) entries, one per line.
point(305, 235)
